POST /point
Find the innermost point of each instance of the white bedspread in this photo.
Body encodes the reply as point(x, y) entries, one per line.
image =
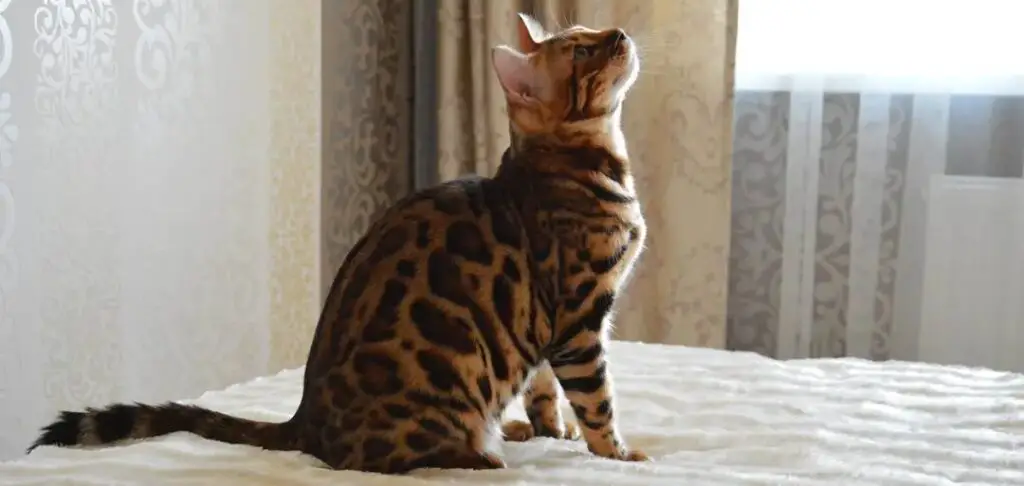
point(707, 417)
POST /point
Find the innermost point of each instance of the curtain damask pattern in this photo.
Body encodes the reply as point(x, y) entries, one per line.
point(367, 119)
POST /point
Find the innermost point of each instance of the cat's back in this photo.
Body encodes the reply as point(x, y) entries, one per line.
point(462, 217)
point(425, 320)
point(422, 276)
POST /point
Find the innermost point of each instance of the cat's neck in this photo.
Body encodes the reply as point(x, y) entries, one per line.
point(603, 132)
point(595, 144)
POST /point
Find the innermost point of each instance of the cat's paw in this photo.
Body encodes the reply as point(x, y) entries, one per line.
point(555, 428)
point(618, 452)
point(634, 456)
point(517, 431)
point(520, 431)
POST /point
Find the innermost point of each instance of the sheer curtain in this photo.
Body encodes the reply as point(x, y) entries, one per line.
point(877, 192)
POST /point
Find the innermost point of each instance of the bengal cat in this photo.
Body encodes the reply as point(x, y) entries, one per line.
point(460, 294)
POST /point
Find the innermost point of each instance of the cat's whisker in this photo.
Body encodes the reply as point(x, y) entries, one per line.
point(557, 24)
point(649, 49)
point(653, 73)
point(645, 72)
point(651, 44)
point(601, 16)
point(566, 20)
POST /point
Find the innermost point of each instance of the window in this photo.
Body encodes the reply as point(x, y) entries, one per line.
point(931, 45)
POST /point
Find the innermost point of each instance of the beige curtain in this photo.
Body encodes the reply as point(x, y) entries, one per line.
point(358, 143)
point(677, 121)
point(295, 155)
point(367, 115)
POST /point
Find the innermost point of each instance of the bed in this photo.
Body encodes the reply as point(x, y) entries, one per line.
point(708, 417)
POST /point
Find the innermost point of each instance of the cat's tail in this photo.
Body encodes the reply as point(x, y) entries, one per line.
point(120, 422)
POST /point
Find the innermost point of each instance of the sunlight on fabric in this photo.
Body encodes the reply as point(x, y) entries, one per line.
point(949, 46)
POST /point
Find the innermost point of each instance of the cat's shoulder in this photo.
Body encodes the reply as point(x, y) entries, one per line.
point(466, 195)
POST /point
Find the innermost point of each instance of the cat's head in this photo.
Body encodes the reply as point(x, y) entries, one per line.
point(578, 76)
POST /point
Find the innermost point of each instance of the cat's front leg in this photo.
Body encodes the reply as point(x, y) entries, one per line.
point(545, 417)
point(582, 370)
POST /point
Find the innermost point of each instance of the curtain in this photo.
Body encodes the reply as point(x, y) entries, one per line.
point(367, 115)
point(677, 122)
point(179, 180)
point(875, 171)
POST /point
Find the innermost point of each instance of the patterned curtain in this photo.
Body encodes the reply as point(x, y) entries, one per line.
point(361, 87)
point(367, 60)
point(677, 123)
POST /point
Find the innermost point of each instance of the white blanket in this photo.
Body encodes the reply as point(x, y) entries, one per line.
point(707, 418)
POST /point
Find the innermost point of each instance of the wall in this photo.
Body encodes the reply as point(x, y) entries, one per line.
point(159, 176)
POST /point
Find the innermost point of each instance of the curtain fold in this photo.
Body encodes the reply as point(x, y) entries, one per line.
point(677, 122)
point(367, 115)
point(295, 174)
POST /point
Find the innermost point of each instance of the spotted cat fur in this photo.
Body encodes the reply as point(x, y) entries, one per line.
point(463, 296)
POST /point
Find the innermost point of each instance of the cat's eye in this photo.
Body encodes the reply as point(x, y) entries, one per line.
point(580, 53)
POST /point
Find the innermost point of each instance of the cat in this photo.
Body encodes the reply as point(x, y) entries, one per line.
point(466, 295)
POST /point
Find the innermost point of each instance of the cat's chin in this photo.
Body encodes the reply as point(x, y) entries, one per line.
point(629, 62)
point(631, 69)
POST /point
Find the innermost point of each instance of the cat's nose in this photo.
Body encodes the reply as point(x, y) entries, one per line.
point(616, 39)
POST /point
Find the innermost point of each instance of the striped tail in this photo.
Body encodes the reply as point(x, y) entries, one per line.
point(137, 421)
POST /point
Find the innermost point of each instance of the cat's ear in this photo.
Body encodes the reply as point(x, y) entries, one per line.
point(517, 76)
point(531, 33)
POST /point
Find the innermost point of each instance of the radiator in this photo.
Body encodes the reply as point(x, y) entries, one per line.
point(972, 302)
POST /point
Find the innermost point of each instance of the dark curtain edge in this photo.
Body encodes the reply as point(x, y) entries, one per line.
point(423, 168)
